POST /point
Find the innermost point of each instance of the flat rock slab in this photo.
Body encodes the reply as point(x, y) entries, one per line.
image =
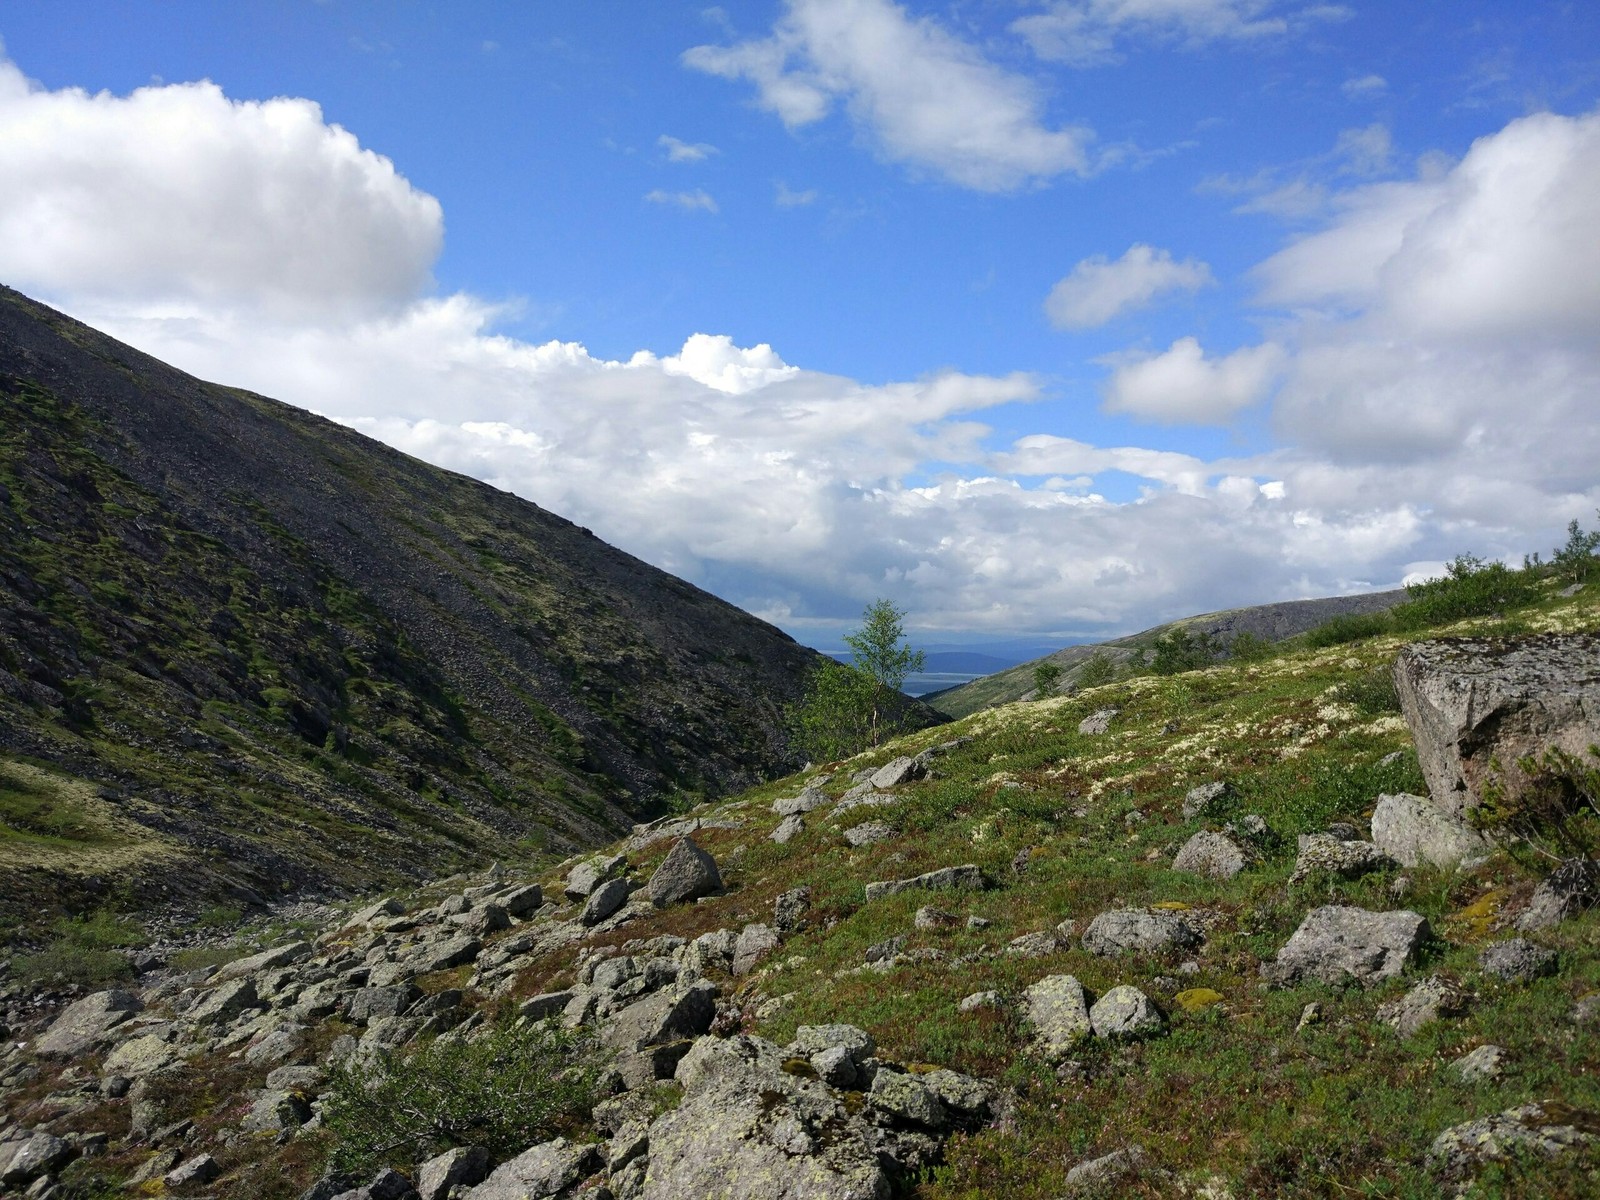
point(1098, 721)
point(1057, 1009)
point(1470, 700)
point(539, 1172)
point(967, 877)
point(1125, 930)
point(1335, 943)
point(1545, 1130)
point(84, 1024)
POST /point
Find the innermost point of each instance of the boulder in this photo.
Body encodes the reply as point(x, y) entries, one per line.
point(39, 1154)
point(967, 877)
point(453, 952)
point(1472, 700)
point(1572, 888)
point(604, 901)
point(685, 874)
point(1126, 1012)
point(1335, 943)
point(811, 1040)
point(1544, 1130)
point(1414, 832)
point(278, 956)
point(791, 806)
point(224, 1003)
point(787, 829)
point(1033, 945)
point(755, 943)
point(201, 1169)
point(905, 1099)
point(789, 909)
point(1211, 854)
point(521, 901)
point(1098, 721)
point(1139, 929)
point(1484, 1063)
point(539, 1172)
point(673, 1015)
point(1057, 1009)
point(748, 1130)
point(1201, 800)
point(869, 832)
point(1327, 852)
point(1517, 960)
point(1107, 1170)
point(84, 1024)
point(590, 874)
point(898, 771)
point(1428, 1001)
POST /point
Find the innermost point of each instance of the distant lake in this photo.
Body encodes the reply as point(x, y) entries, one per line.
point(935, 681)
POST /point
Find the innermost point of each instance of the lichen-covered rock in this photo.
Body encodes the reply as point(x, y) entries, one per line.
point(673, 1015)
point(1033, 945)
point(966, 876)
point(590, 874)
point(898, 771)
point(905, 1098)
point(278, 956)
point(685, 874)
point(1414, 832)
point(1325, 852)
point(1473, 701)
point(748, 1130)
point(789, 909)
point(539, 1172)
point(604, 901)
point(1098, 721)
point(1211, 854)
point(1200, 800)
point(791, 806)
point(755, 943)
point(1057, 1010)
point(1428, 1001)
point(810, 1040)
point(1571, 889)
point(1542, 1129)
point(868, 832)
point(224, 1003)
point(788, 829)
point(1486, 1062)
point(1106, 1170)
point(1335, 943)
point(1517, 959)
point(1124, 1013)
point(38, 1154)
point(83, 1025)
point(1138, 929)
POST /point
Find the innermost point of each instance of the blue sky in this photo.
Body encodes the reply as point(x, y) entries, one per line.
point(1053, 318)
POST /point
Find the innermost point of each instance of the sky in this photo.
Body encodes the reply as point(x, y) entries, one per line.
point(1051, 319)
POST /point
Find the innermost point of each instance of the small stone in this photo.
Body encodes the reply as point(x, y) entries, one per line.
point(810, 1040)
point(1126, 1012)
point(1587, 1010)
point(976, 922)
point(966, 876)
point(1211, 854)
point(868, 833)
point(1057, 1008)
point(904, 1098)
point(1517, 961)
point(885, 950)
point(200, 1169)
point(590, 874)
point(898, 771)
point(1201, 800)
point(789, 909)
point(928, 917)
point(1428, 1001)
point(1572, 888)
point(1108, 1169)
point(1033, 945)
point(1484, 1063)
point(1098, 721)
point(979, 1000)
point(1310, 1015)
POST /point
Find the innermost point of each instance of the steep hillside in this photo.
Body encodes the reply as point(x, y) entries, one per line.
point(1006, 973)
point(244, 648)
point(1269, 622)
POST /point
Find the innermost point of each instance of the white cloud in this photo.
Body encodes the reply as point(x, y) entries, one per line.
point(698, 200)
point(1087, 32)
point(786, 197)
point(924, 97)
point(685, 152)
point(180, 194)
point(1366, 85)
point(1097, 290)
point(1182, 385)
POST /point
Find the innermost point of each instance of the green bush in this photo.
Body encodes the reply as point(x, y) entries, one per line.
point(1249, 647)
point(1046, 677)
point(1098, 670)
point(1181, 651)
point(504, 1090)
point(1372, 692)
point(85, 951)
point(1349, 627)
point(1470, 587)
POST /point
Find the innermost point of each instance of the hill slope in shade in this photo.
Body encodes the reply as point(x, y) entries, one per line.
point(1269, 622)
point(242, 646)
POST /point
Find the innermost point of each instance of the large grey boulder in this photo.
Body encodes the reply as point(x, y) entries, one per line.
point(1472, 700)
point(1415, 832)
point(1098, 721)
point(1057, 1010)
point(787, 829)
point(539, 1172)
point(464, 1165)
point(793, 806)
point(1336, 943)
point(84, 1024)
point(755, 943)
point(278, 956)
point(671, 1015)
point(898, 771)
point(1527, 1129)
point(966, 877)
point(1326, 852)
point(1138, 929)
point(685, 874)
point(604, 901)
point(39, 1154)
point(748, 1130)
point(1212, 854)
point(222, 1004)
point(590, 874)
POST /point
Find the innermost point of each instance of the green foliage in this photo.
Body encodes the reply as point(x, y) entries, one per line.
point(1046, 676)
point(1180, 651)
point(834, 719)
point(504, 1090)
point(1098, 670)
point(1348, 627)
point(1551, 800)
point(1576, 560)
point(85, 951)
point(1249, 647)
point(1372, 692)
point(1470, 587)
point(848, 707)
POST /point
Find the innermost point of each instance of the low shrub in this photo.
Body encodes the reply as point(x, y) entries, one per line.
point(1372, 692)
point(504, 1090)
point(85, 951)
point(1097, 670)
point(1348, 627)
point(1470, 587)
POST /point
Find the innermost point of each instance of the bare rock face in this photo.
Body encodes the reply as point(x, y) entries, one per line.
point(1468, 700)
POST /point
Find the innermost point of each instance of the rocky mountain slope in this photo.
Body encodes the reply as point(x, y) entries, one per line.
point(1202, 935)
point(244, 650)
point(1267, 622)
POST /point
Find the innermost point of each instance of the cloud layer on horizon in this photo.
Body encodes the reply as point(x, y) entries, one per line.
point(1429, 369)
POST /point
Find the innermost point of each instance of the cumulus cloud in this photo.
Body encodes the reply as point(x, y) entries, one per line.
point(922, 95)
point(181, 195)
point(685, 152)
point(786, 197)
point(1088, 32)
point(1098, 290)
point(1182, 385)
point(1364, 86)
point(698, 200)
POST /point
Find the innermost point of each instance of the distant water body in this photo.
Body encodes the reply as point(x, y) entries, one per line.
point(935, 681)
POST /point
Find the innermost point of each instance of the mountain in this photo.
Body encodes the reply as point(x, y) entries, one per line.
point(244, 649)
point(1268, 622)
